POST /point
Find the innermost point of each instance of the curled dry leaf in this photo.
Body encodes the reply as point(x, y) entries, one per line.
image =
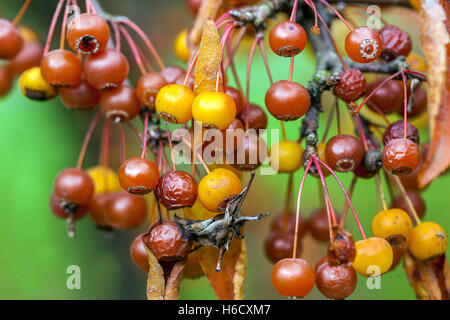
point(227, 284)
point(434, 40)
point(208, 10)
point(208, 61)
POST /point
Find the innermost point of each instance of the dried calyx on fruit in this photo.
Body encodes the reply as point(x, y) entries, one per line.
point(223, 228)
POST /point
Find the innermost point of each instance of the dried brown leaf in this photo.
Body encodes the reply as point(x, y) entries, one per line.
point(239, 274)
point(208, 10)
point(172, 288)
point(155, 279)
point(434, 40)
point(208, 61)
point(222, 282)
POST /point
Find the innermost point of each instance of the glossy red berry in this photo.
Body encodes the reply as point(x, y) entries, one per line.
point(401, 156)
point(335, 282)
point(416, 199)
point(120, 104)
point(168, 241)
point(148, 87)
point(287, 39)
point(250, 153)
point(61, 68)
point(74, 185)
point(344, 152)
point(138, 175)
point(293, 277)
point(351, 85)
point(287, 100)
point(6, 80)
point(318, 225)
point(11, 41)
point(257, 118)
point(396, 131)
point(395, 41)
point(176, 189)
point(30, 56)
point(125, 211)
point(279, 246)
point(138, 254)
point(363, 45)
point(81, 97)
point(63, 209)
point(388, 98)
point(106, 70)
point(88, 33)
point(98, 207)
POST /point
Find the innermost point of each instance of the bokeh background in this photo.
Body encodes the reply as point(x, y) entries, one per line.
point(37, 140)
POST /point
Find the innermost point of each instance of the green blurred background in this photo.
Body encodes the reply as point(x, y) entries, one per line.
point(40, 139)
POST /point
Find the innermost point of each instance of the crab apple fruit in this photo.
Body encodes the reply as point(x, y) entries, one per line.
point(374, 256)
point(80, 97)
point(341, 250)
point(176, 189)
point(293, 277)
point(335, 282)
point(106, 70)
point(286, 156)
point(322, 155)
point(257, 118)
point(88, 33)
point(30, 56)
point(33, 86)
point(217, 188)
point(138, 175)
point(427, 240)
point(180, 46)
point(63, 209)
point(198, 212)
point(420, 103)
point(287, 100)
point(396, 130)
point(351, 85)
point(238, 98)
point(172, 73)
point(395, 42)
point(148, 87)
point(74, 185)
point(120, 104)
point(401, 156)
point(214, 110)
point(125, 211)
point(318, 225)
point(138, 254)
point(174, 103)
point(285, 223)
point(287, 39)
point(250, 153)
point(393, 225)
point(11, 41)
point(388, 98)
point(105, 179)
point(416, 62)
point(6, 80)
point(61, 68)
point(416, 199)
point(97, 211)
point(363, 45)
point(193, 269)
point(168, 241)
point(344, 152)
point(279, 245)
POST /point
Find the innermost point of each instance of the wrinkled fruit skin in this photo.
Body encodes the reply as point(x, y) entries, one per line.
point(401, 156)
point(335, 282)
point(351, 86)
point(176, 189)
point(396, 42)
point(342, 249)
point(396, 131)
point(168, 241)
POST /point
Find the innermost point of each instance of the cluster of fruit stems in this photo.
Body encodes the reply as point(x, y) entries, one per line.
point(328, 60)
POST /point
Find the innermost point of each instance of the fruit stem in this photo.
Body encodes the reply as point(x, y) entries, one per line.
point(64, 25)
point(133, 48)
point(160, 219)
point(266, 63)
point(287, 201)
point(226, 35)
point(172, 154)
point(198, 155)
point(87, 138)
point(315, 28)
point(294, 11)
point(247, 87)
point(375, 90)
point(191, 67)
point(338, 116)
point(361, 131)
point(330, 212)
point(123, 144)
point(346, 196)
point(232, 65)
point(407, 198)
point(144, 141)
point(52, 27)
point(117, 41)
point(146, 40)
point(297, 213)
point(337, 14)
point(379, 186)
point(237, 42)
point(328, 125)
point(106, 138)
point(132, 127)
point(374, 107)
point(291, 69)
point(21, 12)
point(350, 194)
point(405, 107)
